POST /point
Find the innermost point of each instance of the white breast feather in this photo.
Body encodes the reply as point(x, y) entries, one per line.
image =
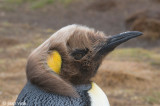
point(98, 97)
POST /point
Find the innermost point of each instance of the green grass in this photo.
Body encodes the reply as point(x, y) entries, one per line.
point(66, 2)
point(136, 54)
point(6, 24)
point(33, 4)
point(41, 3)
point(153, 99)
point(14, 1)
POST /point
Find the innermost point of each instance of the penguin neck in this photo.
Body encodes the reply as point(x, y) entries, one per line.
point(83, 87)
point(79, 81)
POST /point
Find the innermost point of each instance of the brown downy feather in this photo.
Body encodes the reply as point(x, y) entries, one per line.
point(49, 81)
point(46, 80)
point(65, 41)
point(38, 72)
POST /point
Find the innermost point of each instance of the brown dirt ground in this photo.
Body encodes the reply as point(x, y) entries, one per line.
point(126, 82)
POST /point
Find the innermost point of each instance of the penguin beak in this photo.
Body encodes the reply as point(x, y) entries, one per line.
point(116, 40)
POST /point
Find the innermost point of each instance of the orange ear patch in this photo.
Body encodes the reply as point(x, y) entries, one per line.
point(54, 61)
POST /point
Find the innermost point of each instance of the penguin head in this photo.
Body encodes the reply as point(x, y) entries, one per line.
point(71, 56)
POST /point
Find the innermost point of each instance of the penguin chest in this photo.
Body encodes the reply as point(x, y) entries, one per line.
point(97, 96)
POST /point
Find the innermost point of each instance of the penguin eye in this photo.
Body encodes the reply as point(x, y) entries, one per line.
point(78, 56)
point(79, 53)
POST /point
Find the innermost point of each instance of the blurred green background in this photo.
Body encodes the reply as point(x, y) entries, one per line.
point(129, 76)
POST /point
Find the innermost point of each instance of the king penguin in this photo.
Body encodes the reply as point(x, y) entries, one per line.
point(59, 71)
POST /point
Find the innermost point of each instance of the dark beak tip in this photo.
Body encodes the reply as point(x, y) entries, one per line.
point(137, 33)
point(115, 40)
